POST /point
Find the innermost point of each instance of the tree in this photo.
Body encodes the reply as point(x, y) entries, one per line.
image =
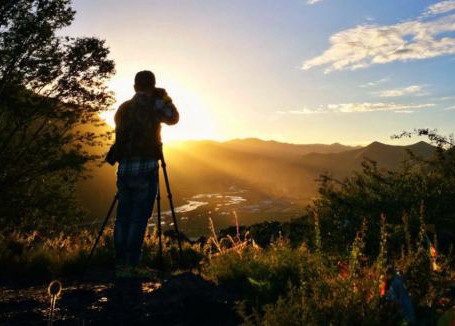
point(51, 89)
point(342, 205)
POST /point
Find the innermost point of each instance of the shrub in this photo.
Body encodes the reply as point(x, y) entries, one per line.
point(286, 285)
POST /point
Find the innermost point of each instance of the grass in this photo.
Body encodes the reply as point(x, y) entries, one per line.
point(286, 285)
point(33, 257)
point(281, 284)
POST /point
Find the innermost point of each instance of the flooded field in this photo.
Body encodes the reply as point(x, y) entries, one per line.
point(193, 212)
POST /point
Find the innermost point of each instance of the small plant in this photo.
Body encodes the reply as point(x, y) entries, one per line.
point(407, 233)
point(284, 285)
point(317, 234)
point(229, 243)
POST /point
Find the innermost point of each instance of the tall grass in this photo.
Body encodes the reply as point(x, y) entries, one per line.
point(34, 257)
point(286, 285)
point(281, 283)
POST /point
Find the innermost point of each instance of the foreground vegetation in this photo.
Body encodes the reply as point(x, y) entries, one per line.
point(280, 283)
point(300, 285)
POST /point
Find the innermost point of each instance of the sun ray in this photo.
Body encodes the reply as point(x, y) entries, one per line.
point(196, 121)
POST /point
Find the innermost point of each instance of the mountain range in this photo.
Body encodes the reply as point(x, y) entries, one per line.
point(266, 171)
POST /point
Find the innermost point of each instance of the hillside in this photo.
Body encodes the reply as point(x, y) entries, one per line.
point(259, 179)
point(342, 164)
point(274, 148)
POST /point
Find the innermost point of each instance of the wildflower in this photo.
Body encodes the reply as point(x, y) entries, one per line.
point(382, 285)
point(433, 255)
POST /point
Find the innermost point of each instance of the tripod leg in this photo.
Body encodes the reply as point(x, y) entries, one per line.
point(171, 204)
point(100, 233)
point(158, 208)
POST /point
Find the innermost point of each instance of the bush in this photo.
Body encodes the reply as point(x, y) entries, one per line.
point(343, 204)
point(286, 285)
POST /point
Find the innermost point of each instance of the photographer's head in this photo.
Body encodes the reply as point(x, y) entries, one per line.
point(144, 81)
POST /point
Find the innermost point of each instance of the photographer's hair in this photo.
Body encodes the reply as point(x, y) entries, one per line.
point(144, 81)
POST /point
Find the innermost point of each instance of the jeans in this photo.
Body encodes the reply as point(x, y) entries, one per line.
point(136, 197)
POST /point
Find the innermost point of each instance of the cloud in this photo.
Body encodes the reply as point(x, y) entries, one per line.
point(413, 89)
point(446, 98)
point(441, 7)
point(404, 111)
point(371, 107)
point(302, 111)
point(366, 45)
point(375, 83)
point(312, 2)
point(451, 108)
point(359, 107)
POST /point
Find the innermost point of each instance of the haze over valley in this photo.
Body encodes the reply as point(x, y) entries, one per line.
point(260, 180)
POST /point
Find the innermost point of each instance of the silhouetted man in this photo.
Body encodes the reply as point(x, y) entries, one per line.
point(137, 149)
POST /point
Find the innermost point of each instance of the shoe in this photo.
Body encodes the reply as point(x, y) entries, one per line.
point(124, 271)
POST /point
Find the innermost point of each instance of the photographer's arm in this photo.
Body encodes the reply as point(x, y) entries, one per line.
point(167, 111)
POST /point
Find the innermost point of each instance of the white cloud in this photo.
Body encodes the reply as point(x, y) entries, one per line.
point(359, 107)
point(450, 108)
point(375, 83)
point(441, 7)
point(371, 107)
point(365, 45)
point(302, 111)
point(404, 111)
point(446, 98)
point(413, 89)
point(312, 2)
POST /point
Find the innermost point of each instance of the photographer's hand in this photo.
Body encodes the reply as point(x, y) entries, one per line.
point(166, 110)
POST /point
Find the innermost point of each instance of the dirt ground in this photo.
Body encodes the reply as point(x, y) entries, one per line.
point(183, 299)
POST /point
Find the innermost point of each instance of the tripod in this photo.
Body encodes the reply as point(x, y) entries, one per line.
point(158, 206)
point(171, 205)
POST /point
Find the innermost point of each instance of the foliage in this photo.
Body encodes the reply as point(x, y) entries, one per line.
point(280, 284)
point(51, 87)
point(342, 205)
point(284, 285)
point(36, 257)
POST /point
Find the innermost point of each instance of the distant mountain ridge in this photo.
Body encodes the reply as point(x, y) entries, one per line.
point(256, 145)
point(387, 156)
point(279, 170)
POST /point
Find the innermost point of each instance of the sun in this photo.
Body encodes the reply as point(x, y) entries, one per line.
point(196, 121)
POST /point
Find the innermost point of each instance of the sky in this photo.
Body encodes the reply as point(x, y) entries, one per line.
point(297, 71)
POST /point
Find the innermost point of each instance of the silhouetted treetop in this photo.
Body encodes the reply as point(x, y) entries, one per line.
point(52, 88)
